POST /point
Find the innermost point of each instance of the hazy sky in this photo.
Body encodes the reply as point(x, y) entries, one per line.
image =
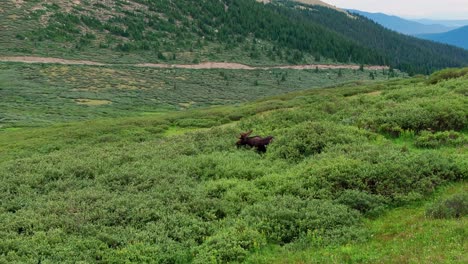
point(440, 9)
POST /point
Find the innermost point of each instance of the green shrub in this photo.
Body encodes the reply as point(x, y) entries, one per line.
point(165, 251)
point(224, 198)
point(231, 244)
point(226, 165)
point(390, 129)
point(447, 113)
point(428, 139)
point(455, 206)
point(447, 74)
point(369, 204)
point(311, 138)
point(378, 170)
point(192, 122)
point(277, 120)
point(284, 219)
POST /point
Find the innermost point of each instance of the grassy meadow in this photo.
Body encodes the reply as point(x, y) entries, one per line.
point(359, 172)
point(44, 94)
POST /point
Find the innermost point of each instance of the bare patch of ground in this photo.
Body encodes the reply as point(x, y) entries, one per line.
point(18, 3)
point(153, 65)
point(26, 59)
point(83, 89)
point(204, 65)
point(188, 104)
point(92, 102)
point(129, 86)
point(312, 2)
point(215, 65)
point(375, 93)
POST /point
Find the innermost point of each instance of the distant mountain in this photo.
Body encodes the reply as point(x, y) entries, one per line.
point(402, 25)
point(448, 23)
point(457, 37)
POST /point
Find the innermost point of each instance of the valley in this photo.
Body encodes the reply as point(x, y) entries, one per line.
point(120, 122)
point(83, 90)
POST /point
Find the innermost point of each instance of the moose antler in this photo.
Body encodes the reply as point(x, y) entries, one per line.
point(246, 134)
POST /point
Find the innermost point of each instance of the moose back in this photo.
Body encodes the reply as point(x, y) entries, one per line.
point(258, 142)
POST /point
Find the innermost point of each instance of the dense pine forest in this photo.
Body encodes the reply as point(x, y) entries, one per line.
point(404, 52)
point(192, 31)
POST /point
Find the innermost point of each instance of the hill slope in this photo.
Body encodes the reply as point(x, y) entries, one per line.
point(64, 93)
point(174, 188)
point(402, 25)
point(457, 37)
point(179, 31)
point(185, 31)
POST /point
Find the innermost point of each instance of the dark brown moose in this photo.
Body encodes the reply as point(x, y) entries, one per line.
point(255, 141)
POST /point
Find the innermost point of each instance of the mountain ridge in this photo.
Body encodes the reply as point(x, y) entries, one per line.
point(457, 37)
point(449, 23)
point(402, 25)
point(309, 2)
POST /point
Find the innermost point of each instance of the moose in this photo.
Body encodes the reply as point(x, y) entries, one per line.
point(258, 142)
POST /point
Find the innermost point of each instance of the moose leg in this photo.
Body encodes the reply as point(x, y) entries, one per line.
point(261, 148)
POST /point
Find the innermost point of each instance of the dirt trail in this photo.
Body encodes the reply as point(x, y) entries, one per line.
point(204, 65)
point(49, 60)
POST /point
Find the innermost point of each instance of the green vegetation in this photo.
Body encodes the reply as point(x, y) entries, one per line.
point(186, 31)
point(118, 164)
point(173, 188)
point(43, 94)
point(435, 140)
point(410, 54)
point(455, 206)
point(447, 74)
point(403, 235)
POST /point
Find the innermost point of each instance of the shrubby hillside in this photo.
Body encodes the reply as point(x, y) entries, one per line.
point(191, 31)
point(174, 188)
point(67, 93)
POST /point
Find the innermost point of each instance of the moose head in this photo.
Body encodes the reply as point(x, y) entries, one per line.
point(258, 142)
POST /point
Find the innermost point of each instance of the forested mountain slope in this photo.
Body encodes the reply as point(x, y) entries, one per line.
point(174, 31)
point(229, 30)
point(404, 52)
